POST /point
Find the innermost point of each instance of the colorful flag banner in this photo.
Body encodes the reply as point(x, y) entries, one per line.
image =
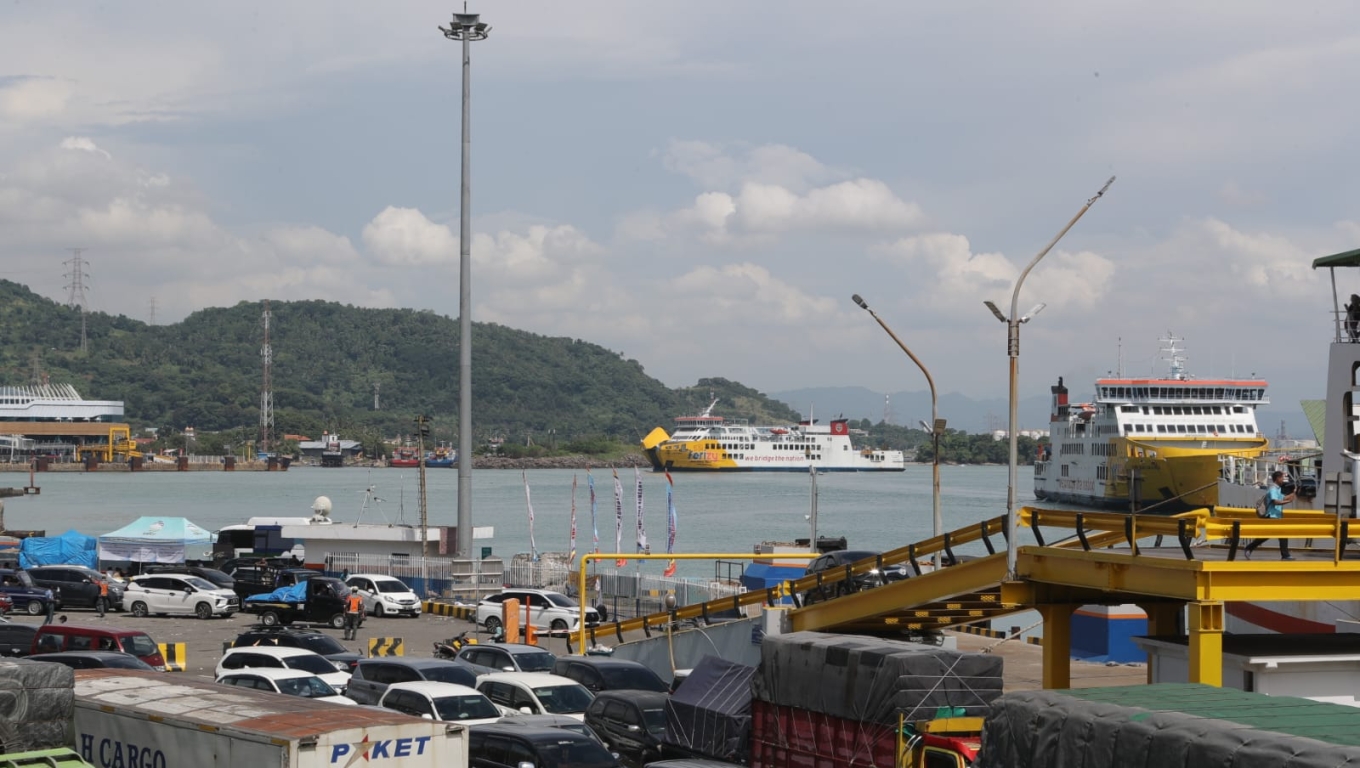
point(618, 521)
point(594, 507)
point(533, 548)
point(671, 524)
point(572, 557)
point(642, 545)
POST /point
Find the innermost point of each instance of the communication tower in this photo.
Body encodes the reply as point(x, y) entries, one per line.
point(76, 298)
point(267, 391)
point(376, 386)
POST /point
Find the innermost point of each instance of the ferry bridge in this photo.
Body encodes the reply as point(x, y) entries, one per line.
point(1165, 565)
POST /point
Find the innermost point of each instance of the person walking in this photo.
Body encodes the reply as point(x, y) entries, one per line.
point(354, 609)
point(51, 606)
point(102, 602)
point(1275, 501)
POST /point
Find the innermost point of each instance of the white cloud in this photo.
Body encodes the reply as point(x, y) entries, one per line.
point(717, 166)
point(83, 144)
point(34, 98)
point(404, 236)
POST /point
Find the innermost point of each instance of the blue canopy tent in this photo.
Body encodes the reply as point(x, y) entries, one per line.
point(70, 548)
point(156, 540)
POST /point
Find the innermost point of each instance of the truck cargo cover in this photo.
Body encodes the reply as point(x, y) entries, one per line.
point(1168, 726)
point(36, 701)
point(710, 713)
point(875, 680)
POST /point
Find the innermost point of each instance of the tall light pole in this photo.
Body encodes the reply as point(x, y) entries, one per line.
point(1013, 323)
point(465, 28)
point(937, 423)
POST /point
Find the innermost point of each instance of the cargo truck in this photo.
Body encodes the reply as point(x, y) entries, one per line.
point(127, 719)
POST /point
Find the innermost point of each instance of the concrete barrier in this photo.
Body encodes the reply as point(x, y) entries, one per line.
point(449, 609)
point(175, 656)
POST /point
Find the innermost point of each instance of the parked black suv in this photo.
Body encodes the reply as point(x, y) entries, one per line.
point(370, 678)
point(16, 639)
point(26, 595)
point(602, 673)
point(312, 640)
point(841, 558)
point(75, 585)
point(631, 723)
point(508, 746)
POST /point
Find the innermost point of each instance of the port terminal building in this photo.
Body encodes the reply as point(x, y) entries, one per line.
point(54, 421)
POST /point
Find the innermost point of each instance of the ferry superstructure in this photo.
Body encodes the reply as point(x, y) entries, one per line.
point(54, 420)
point(708, 443)
point(1149, 444)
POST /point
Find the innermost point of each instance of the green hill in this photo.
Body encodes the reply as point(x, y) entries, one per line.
point(206, 372)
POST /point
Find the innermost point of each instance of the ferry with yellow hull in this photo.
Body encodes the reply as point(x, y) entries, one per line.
point(1149, 444)
point(708, 443)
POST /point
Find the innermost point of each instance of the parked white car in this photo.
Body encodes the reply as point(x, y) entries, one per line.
point(278, 657)
point(546, 609)
point(534, 693)
point(163, 593)
point(290, 682)
point(441, 701)
point(385, 595)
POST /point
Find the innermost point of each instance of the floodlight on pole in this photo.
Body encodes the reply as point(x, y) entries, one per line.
point(1013, 323)
point(465, 28)
point(938, 527)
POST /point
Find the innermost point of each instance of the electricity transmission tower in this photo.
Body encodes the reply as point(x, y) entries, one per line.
point(267, 390)
point(76, 298)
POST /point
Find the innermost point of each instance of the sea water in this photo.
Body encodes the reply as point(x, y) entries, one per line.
point(715, 512)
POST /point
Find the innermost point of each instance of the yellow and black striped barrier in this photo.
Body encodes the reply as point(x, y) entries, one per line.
point(174, 655)
point(449, 609)
point(386, 646)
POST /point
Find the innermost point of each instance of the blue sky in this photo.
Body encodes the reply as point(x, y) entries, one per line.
point(702, 186)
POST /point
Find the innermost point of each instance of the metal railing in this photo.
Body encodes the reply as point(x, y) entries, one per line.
point(466, 580)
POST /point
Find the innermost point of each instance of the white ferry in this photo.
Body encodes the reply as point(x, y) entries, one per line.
point(1149, 444)
point(708, 443)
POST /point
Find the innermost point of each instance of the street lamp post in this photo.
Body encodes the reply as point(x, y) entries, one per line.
point(1013, 323)
point(937, 423)
point(465, 28)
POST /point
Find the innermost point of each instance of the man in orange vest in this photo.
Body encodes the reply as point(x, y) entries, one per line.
point(354, 608)
point(102, 603)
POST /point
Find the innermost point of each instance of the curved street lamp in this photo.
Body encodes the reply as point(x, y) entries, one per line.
point(1013, 323)
point(465, 28)
point(936, 427)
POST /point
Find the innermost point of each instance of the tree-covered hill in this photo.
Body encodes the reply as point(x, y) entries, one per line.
point(206, 372)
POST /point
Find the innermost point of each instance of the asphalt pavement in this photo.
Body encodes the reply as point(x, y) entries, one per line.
point(204, 640)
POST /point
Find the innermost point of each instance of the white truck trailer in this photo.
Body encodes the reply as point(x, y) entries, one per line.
point(132, 719)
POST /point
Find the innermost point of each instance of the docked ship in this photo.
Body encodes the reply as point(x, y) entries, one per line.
point(1334, 470)
point(1150, 444)
point(443, 456)
point(709, 443)
point(404, 457)
point(54, 420)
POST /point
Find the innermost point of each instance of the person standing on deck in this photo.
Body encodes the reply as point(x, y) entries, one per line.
point(1274, 511)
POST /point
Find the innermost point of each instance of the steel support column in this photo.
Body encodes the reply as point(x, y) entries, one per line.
point(1206, 643)
point(1057, 645)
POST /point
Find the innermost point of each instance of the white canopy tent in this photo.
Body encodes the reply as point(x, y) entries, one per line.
point(156, 540)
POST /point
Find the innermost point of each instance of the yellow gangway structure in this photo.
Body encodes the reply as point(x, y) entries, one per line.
point(120, 446)
point(1187, 565)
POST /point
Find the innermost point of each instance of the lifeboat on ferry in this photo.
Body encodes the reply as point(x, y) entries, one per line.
point(779, 431)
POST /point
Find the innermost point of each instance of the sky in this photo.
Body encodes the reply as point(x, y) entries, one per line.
point(702, 186)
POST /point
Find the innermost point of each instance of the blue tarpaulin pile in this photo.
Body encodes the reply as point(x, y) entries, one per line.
point(297, 593)
point(70, 548)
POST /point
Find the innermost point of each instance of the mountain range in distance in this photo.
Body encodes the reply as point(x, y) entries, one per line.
point(973, 416)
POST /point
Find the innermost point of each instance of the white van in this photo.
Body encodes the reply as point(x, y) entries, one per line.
point(163, 593)
point(385, 595)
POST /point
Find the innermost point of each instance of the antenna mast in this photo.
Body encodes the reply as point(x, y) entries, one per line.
point(76, 297)
point(267, 390)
